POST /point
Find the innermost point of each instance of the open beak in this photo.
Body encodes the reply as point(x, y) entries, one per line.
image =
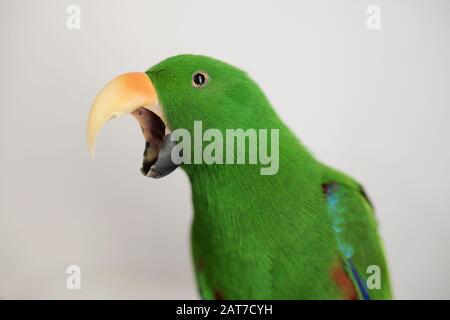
point(133, 93)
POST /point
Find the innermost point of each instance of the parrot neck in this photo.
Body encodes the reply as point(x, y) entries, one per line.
point(232, 202)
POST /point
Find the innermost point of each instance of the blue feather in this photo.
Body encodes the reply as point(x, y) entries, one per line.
point(359, 280)
point(338, 223)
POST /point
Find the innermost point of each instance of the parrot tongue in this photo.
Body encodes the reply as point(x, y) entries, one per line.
point(157, 160)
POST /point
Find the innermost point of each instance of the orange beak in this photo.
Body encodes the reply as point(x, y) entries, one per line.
point(122, 95)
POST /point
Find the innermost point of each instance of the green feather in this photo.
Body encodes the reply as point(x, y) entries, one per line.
point(255, 236)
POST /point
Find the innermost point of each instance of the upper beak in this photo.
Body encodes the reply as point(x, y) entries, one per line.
point(134, 93)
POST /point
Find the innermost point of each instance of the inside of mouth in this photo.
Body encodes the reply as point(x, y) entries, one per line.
point(153, 129)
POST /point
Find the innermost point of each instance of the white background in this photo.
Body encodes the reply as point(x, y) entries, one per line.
point(373, 103)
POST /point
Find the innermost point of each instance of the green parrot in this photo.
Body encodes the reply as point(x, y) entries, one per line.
point(306, 231)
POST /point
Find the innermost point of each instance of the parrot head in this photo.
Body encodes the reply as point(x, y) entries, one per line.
point(172, 95)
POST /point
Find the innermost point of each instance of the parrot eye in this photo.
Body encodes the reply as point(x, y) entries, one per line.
point(199, 79)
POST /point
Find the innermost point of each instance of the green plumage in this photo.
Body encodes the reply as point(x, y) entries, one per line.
point(282, 236)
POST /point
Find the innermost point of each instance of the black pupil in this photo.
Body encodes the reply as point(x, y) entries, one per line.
point(199, 79)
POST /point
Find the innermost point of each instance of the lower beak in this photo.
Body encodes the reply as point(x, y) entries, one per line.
point(133, 93)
